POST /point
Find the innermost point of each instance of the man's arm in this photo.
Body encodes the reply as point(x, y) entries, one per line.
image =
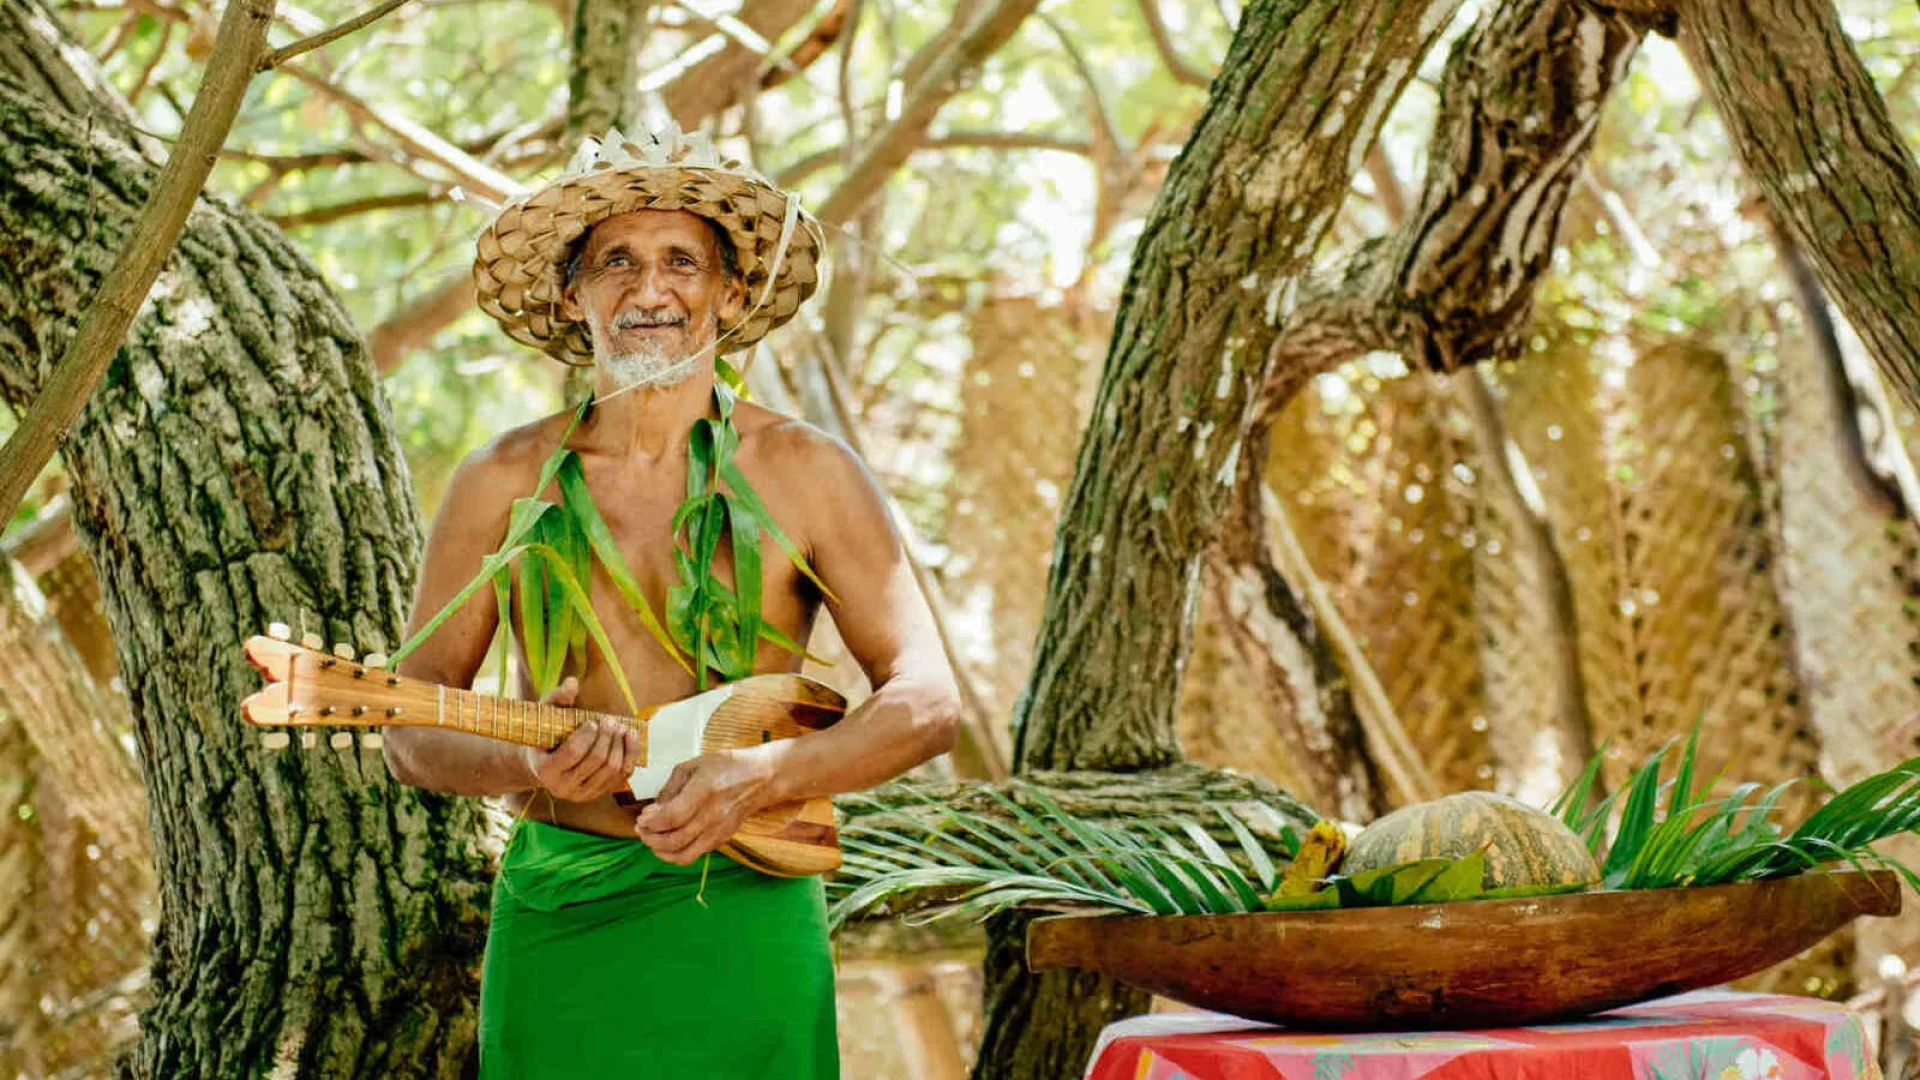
point(914, 712)
point(470, 524)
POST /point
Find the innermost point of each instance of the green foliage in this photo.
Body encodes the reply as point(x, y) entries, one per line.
point(1702, 841)
point(552, 547)
point(1052, 860)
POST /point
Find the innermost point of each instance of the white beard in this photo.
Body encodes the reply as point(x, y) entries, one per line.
point(648, 367)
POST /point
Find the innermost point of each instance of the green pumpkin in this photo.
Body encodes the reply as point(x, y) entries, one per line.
point(1526, 849)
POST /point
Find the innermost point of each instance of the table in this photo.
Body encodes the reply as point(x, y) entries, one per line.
point(1706, 1035)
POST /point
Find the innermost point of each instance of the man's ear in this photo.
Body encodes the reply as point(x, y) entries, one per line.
point(570, 305)
point(733, 300)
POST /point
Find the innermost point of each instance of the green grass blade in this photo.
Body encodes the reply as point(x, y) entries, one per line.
point(580, 506)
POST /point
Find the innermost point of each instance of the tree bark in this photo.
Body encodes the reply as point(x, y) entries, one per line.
point(1213, 280)
point(1814, 135)
point(1452, 285)
point(1188, 357)
point(604, 88)
point(237, 466)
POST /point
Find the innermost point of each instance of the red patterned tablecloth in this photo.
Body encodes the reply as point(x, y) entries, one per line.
point(1707, 1035)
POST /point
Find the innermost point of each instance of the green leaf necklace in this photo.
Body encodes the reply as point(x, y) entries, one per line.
point(709, 629)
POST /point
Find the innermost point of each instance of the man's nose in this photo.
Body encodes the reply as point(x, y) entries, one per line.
point(653, 289)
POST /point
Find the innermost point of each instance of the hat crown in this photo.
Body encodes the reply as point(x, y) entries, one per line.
point(668, 148)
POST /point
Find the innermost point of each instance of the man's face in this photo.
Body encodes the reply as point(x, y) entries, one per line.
point(651, 285)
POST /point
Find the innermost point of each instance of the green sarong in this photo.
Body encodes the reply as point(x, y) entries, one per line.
point(604, 962)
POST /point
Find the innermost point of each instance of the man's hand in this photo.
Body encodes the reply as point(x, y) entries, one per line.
point(594, 761)
point(703, 803)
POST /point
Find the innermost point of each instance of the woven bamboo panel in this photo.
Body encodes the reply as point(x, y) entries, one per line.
point(1512, 603)
point(98, 906)
point(1841, 559)
point(1022, 409)
point(91, 883)
point(80, 728)
point(23, 945)
point(1380, 489)
point(1658, 506)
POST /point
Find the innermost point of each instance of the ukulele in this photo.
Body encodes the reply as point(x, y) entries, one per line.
point(308, 687)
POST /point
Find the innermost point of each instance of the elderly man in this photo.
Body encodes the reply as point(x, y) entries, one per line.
point(618, 947)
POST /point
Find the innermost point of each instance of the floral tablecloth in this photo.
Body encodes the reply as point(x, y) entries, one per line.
point(1707, 1035)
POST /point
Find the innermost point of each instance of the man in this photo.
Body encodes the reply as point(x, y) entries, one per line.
point(620, 945)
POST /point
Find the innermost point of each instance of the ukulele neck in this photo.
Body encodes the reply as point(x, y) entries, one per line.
point(528, 723)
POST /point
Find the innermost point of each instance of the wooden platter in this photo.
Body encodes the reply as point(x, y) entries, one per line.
point(1485, 963)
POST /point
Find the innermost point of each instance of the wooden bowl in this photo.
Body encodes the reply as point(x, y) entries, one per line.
point(1483, 963)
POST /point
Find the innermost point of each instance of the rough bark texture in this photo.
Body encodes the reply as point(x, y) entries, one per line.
point(1452, 285)
point(1812, 132)
point(1213, 278)
point(236, 466)
point(604, 88)
point(1520, 100)
point(1188, 356)
point(1288, 670)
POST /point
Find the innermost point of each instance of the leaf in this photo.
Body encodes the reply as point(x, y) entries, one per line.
point(736, 482)
point(1463, 879)
point(580, 505)
point(1636, 820)
point(745, 533)
point(1263, 870)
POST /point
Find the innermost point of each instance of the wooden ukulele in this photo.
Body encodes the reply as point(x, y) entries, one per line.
point(308, 687)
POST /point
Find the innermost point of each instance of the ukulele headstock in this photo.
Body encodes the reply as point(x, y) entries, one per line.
point(310, 686)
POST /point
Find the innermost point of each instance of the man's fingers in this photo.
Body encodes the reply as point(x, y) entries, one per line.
point(676, 803)
point(571, 750)
point(564, 694)
point(594, 757)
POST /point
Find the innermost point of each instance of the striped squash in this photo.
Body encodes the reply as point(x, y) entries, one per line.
point(1525, 848)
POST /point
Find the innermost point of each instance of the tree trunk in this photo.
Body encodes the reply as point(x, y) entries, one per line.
point(604, 89)
point(1213, 278)
point(1814, 134)
point(237, 466)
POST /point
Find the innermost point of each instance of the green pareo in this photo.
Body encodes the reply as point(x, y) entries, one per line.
point(603, 960)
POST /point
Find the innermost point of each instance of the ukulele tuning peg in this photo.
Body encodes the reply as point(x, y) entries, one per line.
point(340, 740)
point(372, 740)
point(280, 631)
point(343, 650)
point(308, 740)
point(313, 641)
point(375, 659)
point(275, 740)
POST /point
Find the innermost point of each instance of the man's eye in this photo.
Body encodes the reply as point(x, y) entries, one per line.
point(615, 260)
point(683, 260)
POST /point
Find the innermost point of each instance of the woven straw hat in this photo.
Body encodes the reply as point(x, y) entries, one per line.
point(521, 257)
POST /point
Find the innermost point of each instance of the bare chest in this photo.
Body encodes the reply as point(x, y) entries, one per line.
point(641, 505)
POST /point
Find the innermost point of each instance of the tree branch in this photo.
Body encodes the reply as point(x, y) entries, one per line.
point(715, 83)
point(481, 179)
point(326, 215)
point(1814, 135)
point(956, 140)
point(818, 40)
point(1184, 73)
point(1106, 131)
point(413, 326)
point(366, 18)
point(944, 77)
point(603, 86)
point(241, 39)
point(1455, 284)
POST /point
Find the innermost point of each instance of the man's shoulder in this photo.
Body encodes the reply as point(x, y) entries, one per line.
point(514, 455)
point(784, 444)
